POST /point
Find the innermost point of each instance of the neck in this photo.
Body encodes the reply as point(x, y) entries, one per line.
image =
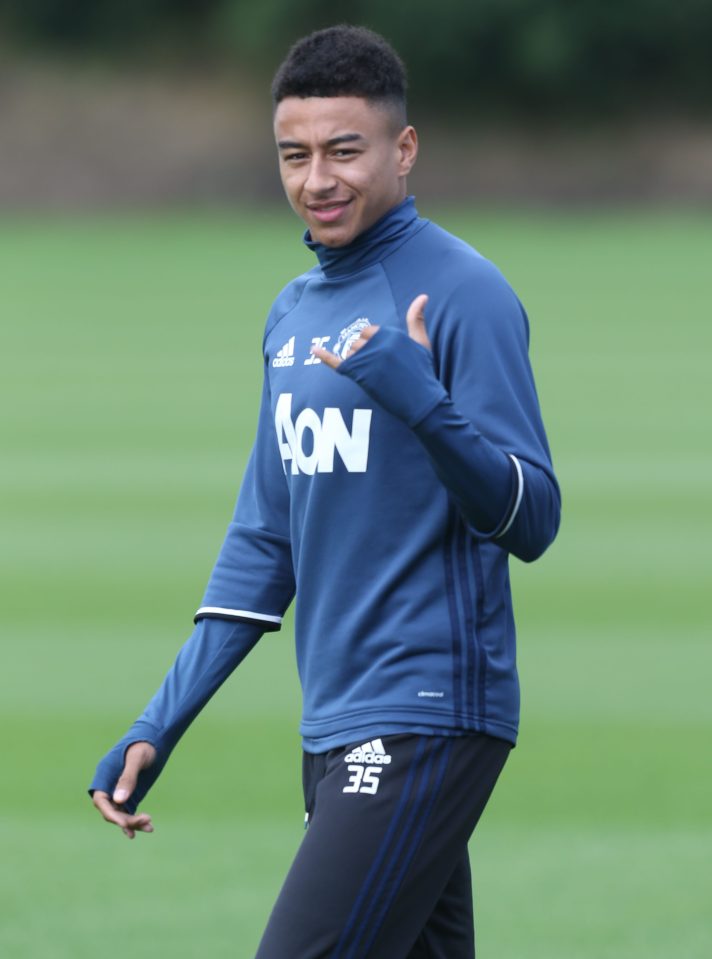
point(370, 246)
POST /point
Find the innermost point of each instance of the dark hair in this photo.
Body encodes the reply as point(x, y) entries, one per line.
point(343, 61)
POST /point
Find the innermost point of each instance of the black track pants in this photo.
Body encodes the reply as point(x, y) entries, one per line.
point(383, 871)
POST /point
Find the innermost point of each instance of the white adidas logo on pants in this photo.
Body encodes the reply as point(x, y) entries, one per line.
point(365, 765)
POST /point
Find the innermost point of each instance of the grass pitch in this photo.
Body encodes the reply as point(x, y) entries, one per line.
point(130, 370)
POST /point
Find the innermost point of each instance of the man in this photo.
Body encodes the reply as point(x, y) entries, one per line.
point(400, 457)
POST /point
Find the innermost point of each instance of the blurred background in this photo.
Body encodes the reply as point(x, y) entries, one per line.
point(143, 236)
point(167, 101)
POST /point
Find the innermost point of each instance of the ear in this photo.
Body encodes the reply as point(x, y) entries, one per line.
point(407, 150)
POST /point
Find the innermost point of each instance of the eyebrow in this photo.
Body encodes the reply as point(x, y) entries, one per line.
point(334, 141)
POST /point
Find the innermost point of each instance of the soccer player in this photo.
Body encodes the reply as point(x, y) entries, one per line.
point(400, 458)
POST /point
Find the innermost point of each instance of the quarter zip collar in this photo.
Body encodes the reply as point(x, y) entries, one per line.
point(370, 246)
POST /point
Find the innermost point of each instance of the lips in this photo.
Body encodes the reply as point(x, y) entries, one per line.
point(328, 212)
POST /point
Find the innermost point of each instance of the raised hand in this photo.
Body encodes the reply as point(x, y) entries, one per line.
point(415, 321)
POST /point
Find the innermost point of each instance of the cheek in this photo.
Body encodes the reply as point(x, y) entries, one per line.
point(367, 181)
point(290, 182)
point(291, 189)
point(381, 177)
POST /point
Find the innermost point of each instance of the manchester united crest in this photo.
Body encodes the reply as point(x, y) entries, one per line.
point(349, 335)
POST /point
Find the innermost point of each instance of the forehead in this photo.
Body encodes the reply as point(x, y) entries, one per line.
point(318, 119)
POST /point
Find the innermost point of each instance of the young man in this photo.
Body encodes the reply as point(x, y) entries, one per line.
point(400, 457)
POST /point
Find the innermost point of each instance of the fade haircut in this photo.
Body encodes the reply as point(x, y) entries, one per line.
point(344, 61)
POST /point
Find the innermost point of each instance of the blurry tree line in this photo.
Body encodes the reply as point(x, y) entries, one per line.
point(584, 58)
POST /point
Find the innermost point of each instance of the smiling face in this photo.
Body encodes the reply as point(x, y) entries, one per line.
point(343, 163)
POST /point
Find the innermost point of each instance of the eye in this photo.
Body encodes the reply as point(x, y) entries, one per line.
point(293, 157)
point(345, 152)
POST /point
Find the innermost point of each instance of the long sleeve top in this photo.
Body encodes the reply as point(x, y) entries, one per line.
point(387, 496)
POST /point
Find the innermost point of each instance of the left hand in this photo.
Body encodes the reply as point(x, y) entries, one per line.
point(415, 321)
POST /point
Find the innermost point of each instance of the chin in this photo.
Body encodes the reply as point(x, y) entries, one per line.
point(335, 241)
point(332, 238)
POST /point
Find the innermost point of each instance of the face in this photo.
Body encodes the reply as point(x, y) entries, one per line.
point(343, 163)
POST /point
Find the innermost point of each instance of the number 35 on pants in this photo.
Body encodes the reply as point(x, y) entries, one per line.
point(363, 779)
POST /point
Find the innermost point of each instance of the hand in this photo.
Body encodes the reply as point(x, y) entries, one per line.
point(415, 321)
point(138, 756)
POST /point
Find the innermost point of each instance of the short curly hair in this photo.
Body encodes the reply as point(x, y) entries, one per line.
point(344, 61)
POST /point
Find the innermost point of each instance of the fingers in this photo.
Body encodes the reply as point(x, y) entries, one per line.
point(138, 756)
point(139, 823)
point(327, 357)
point(129, 824)
point(415, 320)
point(365, 336)
point(334, 361)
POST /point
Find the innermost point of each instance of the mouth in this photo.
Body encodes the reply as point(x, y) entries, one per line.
point(328, 212)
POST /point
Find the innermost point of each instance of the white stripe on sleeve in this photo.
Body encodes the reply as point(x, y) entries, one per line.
point(238, 614)
point(520, 491)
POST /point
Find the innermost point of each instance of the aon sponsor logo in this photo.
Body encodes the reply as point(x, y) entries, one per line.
point(310, 443)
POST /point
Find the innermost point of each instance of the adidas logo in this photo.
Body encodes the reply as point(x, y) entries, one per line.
point(285, 356)
point(371, 754)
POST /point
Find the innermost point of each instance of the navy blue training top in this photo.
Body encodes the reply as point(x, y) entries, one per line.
point(387, 495)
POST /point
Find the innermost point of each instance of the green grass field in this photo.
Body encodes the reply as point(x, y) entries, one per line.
point(130, 363)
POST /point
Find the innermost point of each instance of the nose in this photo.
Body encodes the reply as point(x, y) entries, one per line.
point(320, 179)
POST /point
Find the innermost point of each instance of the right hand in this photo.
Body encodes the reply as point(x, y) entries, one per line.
point(138, 756)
